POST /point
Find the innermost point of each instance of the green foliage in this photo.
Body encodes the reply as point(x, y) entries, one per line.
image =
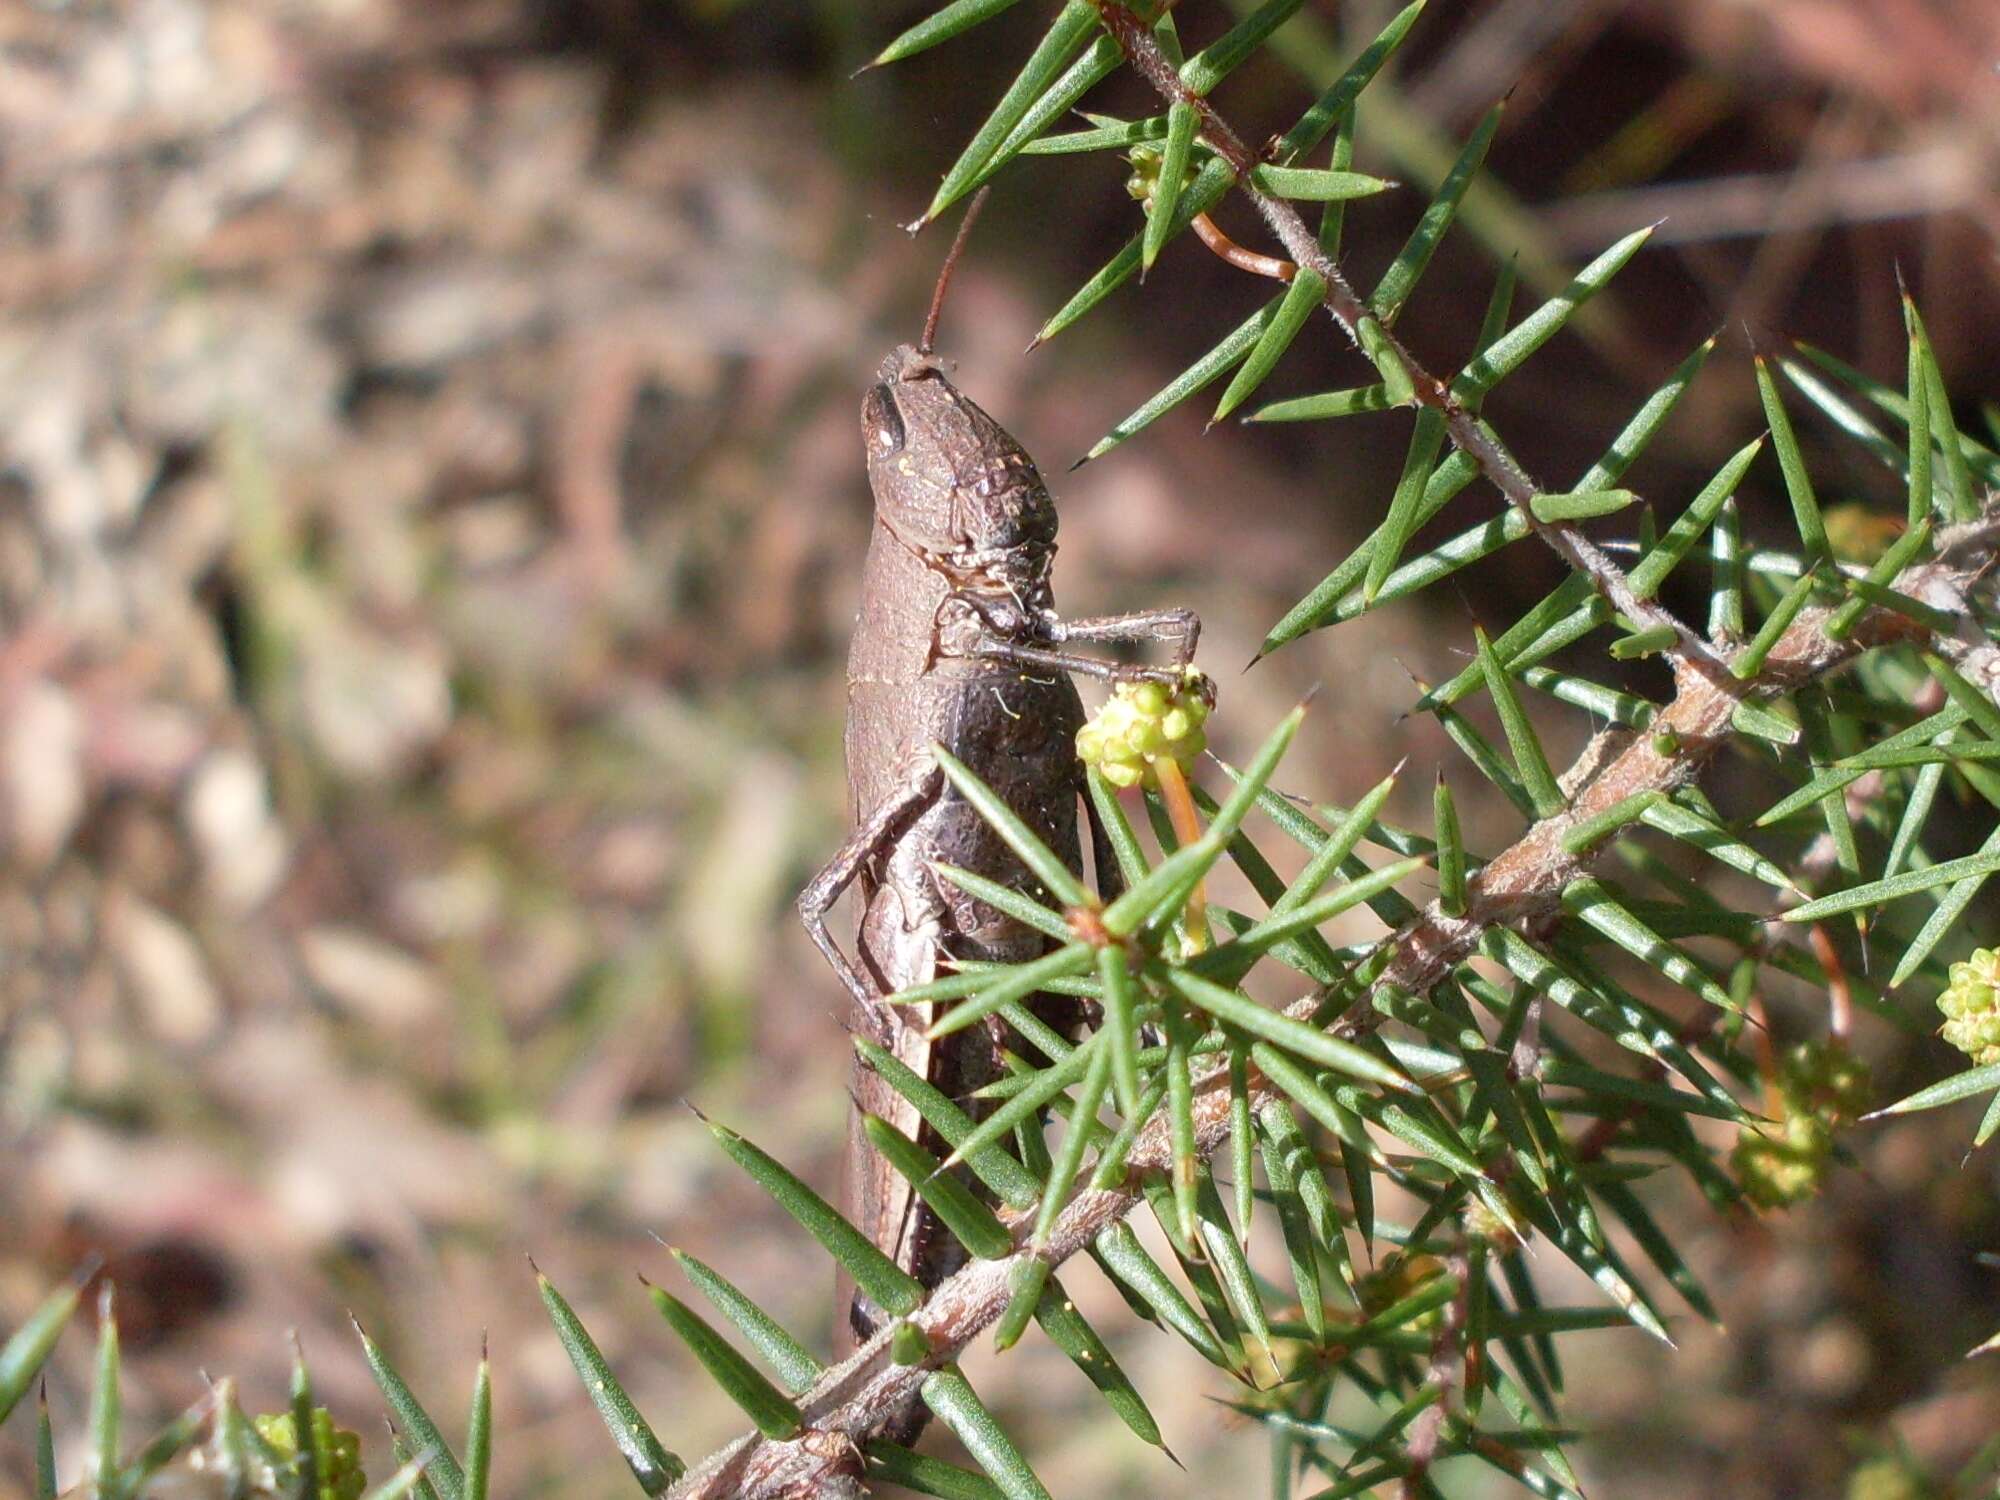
point(1536, 1027)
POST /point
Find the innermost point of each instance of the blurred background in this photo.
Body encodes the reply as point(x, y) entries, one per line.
point(430, 517)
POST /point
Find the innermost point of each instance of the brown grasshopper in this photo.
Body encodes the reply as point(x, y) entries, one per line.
point(957, 644)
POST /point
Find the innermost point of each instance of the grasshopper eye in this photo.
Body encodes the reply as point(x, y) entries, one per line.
point(881, 423)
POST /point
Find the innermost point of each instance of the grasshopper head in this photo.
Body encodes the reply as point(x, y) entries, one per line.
point(948, 480)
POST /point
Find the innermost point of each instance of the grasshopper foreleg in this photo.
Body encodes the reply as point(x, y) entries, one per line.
point(875, 835)
point(1180, 626)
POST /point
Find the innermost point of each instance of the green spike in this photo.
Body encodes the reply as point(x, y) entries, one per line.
point(1108, 134)
point(1072, 29)
point(1047, 866)
point(1327, 405)
point(479, 1432)
point(1406, 505)
point(1069, 1332)
point(796, 1367)
point(1961, 498)
point(940, 26)
point(1215, 62)
point(441, 1470)
point(29, 1346)
point(1511, 351)
point(1554, 509)
point(1012, 1183)
point(1301, 300)
point(1016, 984)
point(971, 1222)
point(1750, 660)
point(1295, 1037)
point(1199, 375)
point(1316, 185)
point(1128, 1261)
point(892, 1288)
point(950, 1395)
point(1792, 463)
point(772, 1412)
point(1182, 122)
point(894, 1464)
point(651, 1464)
point(1400, 280)
point(1529, 758)
point(1944, 919)
point(102, 1462)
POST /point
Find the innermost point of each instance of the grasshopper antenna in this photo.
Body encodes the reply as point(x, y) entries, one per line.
point(950, 265)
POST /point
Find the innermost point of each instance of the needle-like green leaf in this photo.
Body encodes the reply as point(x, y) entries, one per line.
point(1004, 898)
point(45, 1449)
point(29, 1346)
point(796, 1367)
point(1944, 918)
point(1025, 1104)
point(897, 1465)
point(1295, 1037)
point(1314, 185)
point(949, 1394)
point(1182, 122)
point(1529, 758)
point(1121, 1253)
point(971, 1222)
point(1072, 30)
point(1961, 502)
point(1320, 606)
point(1579, 505)
point(1400, 280)
point(442, 1471)
point(1070, 1332)
point(1328, 404)
point(1215, 62)
point(940, 26)
point(1107, 134)
point(479, 1432)
point(1015, 984)
point(1512, 349)
point(1699, 827)
point(772, 1412)
point(1011, 1182)
point(1298, 304)
point(1792, 463)
point(1971, 1082)
point(101, 1464)
point(650, 1462)
point(1406, 505)
point(1047, 866)
point(896, 1291)
point(1898, 556)
point(1831, 779)
point(1750, 660)
point(1908, 883)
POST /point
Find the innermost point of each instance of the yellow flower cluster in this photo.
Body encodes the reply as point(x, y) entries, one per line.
point(1971, 1006)
point(336, 1452)
point(1144, 723)
point(1821, 1087)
